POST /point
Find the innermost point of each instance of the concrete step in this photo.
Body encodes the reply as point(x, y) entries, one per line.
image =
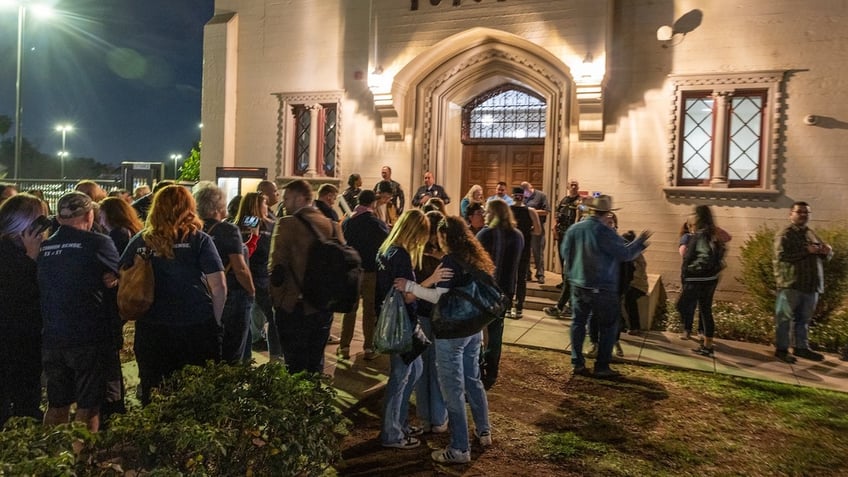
point(540, 296)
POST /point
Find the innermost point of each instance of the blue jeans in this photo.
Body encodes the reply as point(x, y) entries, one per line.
point(604, 308)
point(459, 377)
point(402, 379)
point(796, 307)
point(236, 323)
point(428, 397)
point(698, 294)
point(303, 338)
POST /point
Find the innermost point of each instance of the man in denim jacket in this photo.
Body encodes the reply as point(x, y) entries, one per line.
point(592, 254)
point(799, 276)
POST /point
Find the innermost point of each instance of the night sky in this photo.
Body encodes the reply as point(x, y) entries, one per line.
point(125, 73)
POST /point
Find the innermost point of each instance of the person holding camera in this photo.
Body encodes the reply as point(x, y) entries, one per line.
point(799, 255)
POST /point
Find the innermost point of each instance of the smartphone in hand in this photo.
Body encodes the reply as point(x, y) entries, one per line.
point(250, 221)
point(39, 225)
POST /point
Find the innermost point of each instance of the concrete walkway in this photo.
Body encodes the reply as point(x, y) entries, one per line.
point(355, 379)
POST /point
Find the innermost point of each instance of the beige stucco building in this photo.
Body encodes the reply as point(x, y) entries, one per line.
point(664, 104)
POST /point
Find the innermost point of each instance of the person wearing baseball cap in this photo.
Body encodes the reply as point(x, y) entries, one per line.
point(77, 270)
point(592, 255)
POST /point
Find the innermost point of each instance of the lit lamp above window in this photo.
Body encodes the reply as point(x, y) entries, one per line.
point(589, 70)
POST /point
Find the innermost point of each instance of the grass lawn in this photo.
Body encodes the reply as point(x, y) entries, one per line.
point(653, 421)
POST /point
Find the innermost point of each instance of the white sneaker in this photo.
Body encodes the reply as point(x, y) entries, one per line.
point(451, 456)
point(407, 442)
point(485, 439)
point(437, 429)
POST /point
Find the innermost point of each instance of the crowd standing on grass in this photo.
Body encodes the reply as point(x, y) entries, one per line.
point(219, 268)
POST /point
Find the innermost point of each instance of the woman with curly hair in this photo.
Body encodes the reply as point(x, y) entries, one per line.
point(457, 359)
point(183, 325)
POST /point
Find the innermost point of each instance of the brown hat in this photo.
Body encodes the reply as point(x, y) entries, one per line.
point(74, 204)
point(601, 203)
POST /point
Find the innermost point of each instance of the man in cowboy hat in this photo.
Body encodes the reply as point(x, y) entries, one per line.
point(592, 256)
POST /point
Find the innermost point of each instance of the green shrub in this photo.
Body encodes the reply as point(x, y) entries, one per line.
point(757, 274)
point(211, 421)
point(232, 420)
point(29, 448)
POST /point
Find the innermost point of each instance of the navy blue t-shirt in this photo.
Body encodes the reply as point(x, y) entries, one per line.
point(395, 263)
point(74, 303)
point(260, 257)
point(227, 239)
point(180, 296)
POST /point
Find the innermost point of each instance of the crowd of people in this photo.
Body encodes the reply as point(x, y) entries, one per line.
point(217, 266)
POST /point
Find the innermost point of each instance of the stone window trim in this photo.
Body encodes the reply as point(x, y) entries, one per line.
point(284, 152)
point(772, 135)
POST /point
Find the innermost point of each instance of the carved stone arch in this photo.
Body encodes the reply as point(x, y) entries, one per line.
point(432, 88)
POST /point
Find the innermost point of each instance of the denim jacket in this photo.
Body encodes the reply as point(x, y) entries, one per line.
point(593, 254)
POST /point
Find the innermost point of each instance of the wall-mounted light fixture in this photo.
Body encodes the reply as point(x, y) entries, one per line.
point(668, 36)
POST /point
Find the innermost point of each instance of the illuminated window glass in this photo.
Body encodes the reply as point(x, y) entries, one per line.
point(506, 112)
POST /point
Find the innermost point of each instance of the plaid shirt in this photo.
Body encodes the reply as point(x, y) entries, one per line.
point(794, 266)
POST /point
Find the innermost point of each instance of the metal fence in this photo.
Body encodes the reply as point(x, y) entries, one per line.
point(55, 188)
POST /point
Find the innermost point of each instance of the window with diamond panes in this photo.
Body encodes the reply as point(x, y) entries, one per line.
point(697, 138)
point(329, 128)
point(743, 136)
point(302, 122)
point(505, 113)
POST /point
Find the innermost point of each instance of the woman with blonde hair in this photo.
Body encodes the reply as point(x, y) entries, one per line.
point(504, 243)
point(398, 257)
point(474, 196)
point(183, 325)
point(457, 359)
point(253, 204)
point(120, 221)
point(258, 242)
point(20, 309)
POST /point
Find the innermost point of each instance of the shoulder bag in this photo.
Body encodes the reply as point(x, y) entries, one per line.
point(136, 286)
point(466, 309)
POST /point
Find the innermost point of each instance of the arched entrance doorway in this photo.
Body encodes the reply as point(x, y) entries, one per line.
point(429, 94)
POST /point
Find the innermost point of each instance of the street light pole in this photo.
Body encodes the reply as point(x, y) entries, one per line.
point(176, 157)
point(18, 106)
point(63, 128)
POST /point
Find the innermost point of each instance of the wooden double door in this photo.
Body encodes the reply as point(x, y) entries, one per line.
point(487, 164)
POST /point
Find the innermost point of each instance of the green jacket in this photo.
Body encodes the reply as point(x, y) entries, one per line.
point(794, 266)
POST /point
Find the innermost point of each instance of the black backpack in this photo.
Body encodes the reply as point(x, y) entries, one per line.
point(704, 267)
point(333, 273)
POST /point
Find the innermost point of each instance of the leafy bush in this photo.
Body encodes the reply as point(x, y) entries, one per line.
point(232, 420)
point(733, 321)
point(210, 421)
point(741, 321)
point(757, 275)
point(29, 448)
